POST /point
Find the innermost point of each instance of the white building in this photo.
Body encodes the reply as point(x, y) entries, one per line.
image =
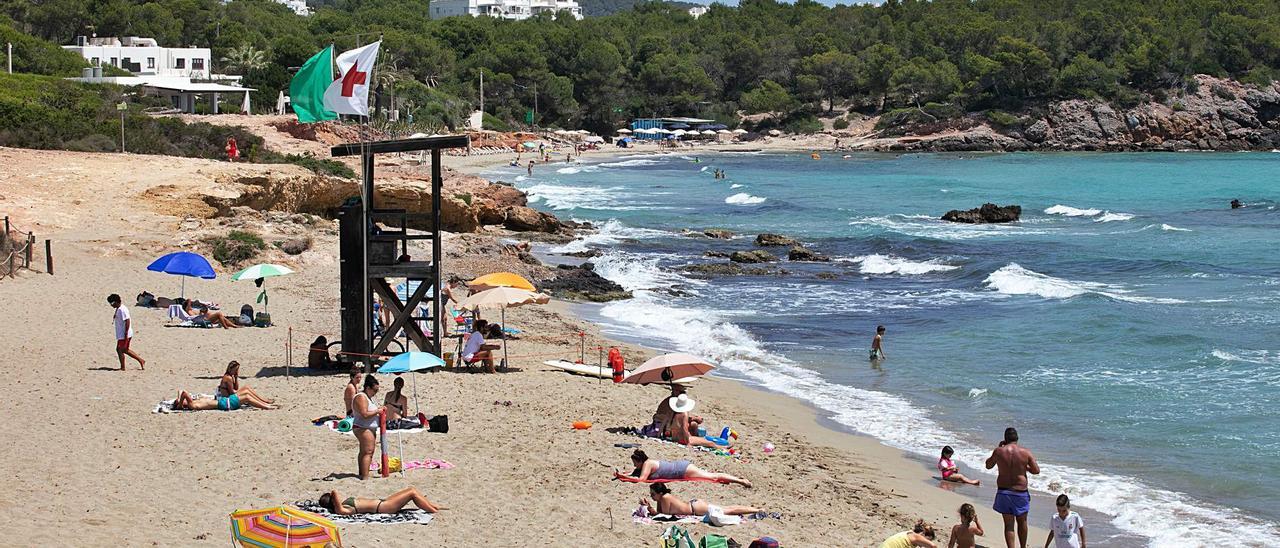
point(298, 6)
point(697, 11)
point(506, 9)
point(143, 57)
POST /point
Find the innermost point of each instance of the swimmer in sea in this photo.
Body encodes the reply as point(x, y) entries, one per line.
point(877, 345)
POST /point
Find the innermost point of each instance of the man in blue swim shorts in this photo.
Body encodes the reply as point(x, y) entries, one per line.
point(1012, 499)
point(229, 403)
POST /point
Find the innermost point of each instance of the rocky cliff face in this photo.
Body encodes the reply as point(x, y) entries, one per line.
point(1216, 114)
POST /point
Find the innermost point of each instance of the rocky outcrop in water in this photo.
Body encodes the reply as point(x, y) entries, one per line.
point(756, 256)
point(769, 240)
point(718, 233)
point(803, 254)
point(988, 213)
point(582, 283)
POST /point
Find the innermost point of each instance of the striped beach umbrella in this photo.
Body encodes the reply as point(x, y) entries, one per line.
point(282, 527)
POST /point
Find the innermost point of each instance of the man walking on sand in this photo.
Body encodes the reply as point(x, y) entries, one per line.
point(124, 332)
point(1012, 499)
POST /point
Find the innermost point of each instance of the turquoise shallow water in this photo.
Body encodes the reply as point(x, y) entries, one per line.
point(1127, 326)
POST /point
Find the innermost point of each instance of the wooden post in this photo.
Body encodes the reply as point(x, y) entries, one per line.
point(31, 240)
point(48, 257)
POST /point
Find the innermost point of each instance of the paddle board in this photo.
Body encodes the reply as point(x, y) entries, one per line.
point(600, 372)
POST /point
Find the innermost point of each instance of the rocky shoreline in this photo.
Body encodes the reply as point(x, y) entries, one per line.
point(1211, 114)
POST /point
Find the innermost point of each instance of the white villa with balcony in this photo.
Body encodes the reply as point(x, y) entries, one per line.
point(505, 9)
point(183, 75)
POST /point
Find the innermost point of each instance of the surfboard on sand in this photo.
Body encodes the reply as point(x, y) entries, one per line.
point(598, 371)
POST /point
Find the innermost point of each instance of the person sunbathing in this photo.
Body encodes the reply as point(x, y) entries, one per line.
point(334, 502)
point(666, 503)
point(683, 429)
point(652, 469)
point(185, 402)
point(212, 317)
point(230, 384)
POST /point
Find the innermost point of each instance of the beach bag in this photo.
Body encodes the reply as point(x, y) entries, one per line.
point(262, 319)
point(677, 537)
point(713, 541)
point(764, 542)
point(438, 423)
point(246, 315)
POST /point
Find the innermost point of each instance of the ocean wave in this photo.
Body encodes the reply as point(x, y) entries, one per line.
point(1069, 211)
point(889, 264)
point(735, 185)
point(1013, 279)
point(631, 163)
point(742, 198)
point(1260, 357)
point(636, 272)
point(608, 233)
point(1108, 217)
point(1172, 228)
point(1167, 518)
point(564, 197)
point(577, 169)
point(976, 393)
point(927, 226)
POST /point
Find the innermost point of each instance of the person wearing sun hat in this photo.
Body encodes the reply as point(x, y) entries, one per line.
point(681, 429)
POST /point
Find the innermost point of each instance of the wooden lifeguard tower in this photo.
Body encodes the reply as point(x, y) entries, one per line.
point(374, 248)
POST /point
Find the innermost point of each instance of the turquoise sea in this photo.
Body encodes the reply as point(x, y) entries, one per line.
point(1127, 326)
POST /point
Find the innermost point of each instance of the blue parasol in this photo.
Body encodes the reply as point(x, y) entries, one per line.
point(185, 264)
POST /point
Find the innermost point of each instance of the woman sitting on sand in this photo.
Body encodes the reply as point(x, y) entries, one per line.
point(364, 423)
point(666, 503)
point(184, 402)
point(212, 317)
point(353, 387)
point(651, 469)
point(390, 505)
point(920, 535)
point(949, 470)
point(682, 429)
point(230, 384)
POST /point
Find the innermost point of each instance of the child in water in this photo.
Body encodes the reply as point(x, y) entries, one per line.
point(963, 534)
point(877, 345)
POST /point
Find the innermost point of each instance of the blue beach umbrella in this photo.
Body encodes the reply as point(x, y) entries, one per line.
point(412, 361)
point(185, 264)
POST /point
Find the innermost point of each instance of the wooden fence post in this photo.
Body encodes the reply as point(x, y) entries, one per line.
point(31, 240)
point(48, 257)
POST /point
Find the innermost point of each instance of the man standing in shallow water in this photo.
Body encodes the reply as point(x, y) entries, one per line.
point(1013, 501)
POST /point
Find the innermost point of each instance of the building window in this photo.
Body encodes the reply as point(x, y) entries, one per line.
point(197, 64)
point(151, 62)
point(95, 61)
point(115, 62)
point(180, 63)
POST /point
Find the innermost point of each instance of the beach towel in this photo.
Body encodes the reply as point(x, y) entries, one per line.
point(631, 479)
point(420, 517)
point(167, 405)
point(717, 451)
point(642, 515)
point(424, 464)
point(193, 323)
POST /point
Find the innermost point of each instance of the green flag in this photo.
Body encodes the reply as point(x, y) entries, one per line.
point(528, 117)
point(306, 91)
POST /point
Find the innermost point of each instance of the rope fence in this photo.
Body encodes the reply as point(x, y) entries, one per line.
point(15, 253)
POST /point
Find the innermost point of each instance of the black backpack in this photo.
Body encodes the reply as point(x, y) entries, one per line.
point(246, 315)
point(438, 423)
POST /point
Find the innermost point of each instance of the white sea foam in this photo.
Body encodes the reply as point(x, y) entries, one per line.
point(926, 226)
point(1167, 518)
point(631, 163)
point(1069, 211)
point(1013, 279)
point(639, 272)
point(561, 197)
point(735, 185)
point(1172, 228)
point(578, 169)
point(742, 198)
point(889, 264)
point(1108, 217)
point(608, 233)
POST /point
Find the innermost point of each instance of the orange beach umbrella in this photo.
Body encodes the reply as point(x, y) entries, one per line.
point(501, 279)
point(282, 527)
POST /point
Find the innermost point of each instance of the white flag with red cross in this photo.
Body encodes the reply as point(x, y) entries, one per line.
point(349, 94)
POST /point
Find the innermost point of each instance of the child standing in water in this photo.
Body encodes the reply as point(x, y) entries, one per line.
point(1065, 527)
point(877, 345)
point(963, 534)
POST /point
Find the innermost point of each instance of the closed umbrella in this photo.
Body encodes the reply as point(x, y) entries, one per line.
point(185, 264)
point(264, 270)
point(668, 368)
point(504, 298)
point(282, 527)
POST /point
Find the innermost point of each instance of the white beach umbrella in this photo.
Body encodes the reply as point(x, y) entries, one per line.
point(583, 132)
point(739, 131)
point(678, 132)
point(560, 132)
point(503, 297)
point(708, 132)
point(624, 130)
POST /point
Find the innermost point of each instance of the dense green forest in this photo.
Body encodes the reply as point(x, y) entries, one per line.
point(791, 61)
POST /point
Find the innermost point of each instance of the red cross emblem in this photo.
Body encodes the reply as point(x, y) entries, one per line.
point(350, 79)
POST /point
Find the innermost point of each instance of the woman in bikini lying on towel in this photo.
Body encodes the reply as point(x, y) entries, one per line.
point(185, 402)
point(666, 503)
point(390, 505)
point(651, 469)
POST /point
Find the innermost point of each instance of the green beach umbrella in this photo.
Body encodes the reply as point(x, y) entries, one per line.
point(264, 270)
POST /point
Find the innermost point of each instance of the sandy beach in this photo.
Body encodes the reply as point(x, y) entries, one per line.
point(90, 456)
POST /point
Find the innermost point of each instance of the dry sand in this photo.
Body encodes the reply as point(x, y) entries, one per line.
point(91, 465)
